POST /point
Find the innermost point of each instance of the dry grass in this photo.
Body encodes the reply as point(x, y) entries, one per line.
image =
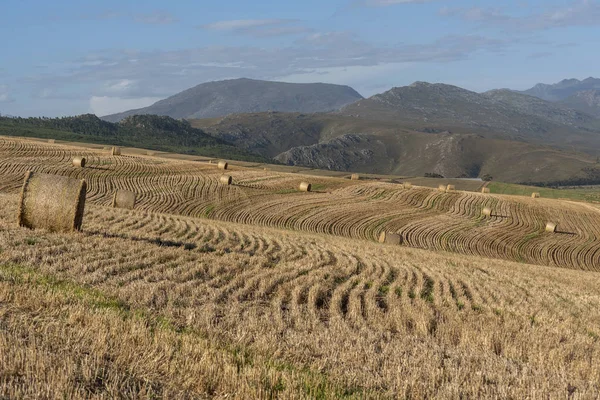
point(424, 217)
point(51, 202)
point(145, 305)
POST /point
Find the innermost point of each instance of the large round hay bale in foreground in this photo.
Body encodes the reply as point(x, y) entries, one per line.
point(115, 151)
point(535, 195)
point(305, 187)
point(225, 179)
point(487, 212)
point(442, 188)
point(450, 188)
point(355, 177)
point(223, 165)
point(51, 202)
point(124, 199)
point(79, 162)
point(485, 190)
point(390, 238)
point(550, 227)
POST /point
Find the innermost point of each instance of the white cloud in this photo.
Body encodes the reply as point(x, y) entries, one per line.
point(576, 13)
point(258, 27)
point(105, 105)
point(386, 3)
point(5, 96)
point(236, 24)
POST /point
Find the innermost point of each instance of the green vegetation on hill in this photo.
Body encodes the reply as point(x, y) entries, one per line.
point(591, 194)
point(144, 131)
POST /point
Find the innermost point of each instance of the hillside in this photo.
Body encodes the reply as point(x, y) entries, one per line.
point(425, 106)
point(345, 143)
point(143, 131)
point(563, 89)
point(215, 99)
point(587, 101)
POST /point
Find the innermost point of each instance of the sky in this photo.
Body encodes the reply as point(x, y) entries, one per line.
point(69, 57)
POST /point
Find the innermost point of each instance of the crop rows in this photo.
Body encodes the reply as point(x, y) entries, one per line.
point(425, 218)
point(378, 319)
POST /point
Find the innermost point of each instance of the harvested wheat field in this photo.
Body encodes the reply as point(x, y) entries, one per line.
point(425, 218)
point(145, 304)
point(288, 294)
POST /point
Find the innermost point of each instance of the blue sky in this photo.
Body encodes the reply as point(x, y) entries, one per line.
point(67, 57)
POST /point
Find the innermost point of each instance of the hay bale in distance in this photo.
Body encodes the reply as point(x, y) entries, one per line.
point(355, 177)
point(51, 140)
point(115, 151)
point(149, 153)
point(390, 238)
point(407, 185)
point(485, 190)
point(305, 187)
point(550, 227)
point(442, 188)
point(79, 162)
point(223, 165)
point(450, 188)
point(107, 148)
point(225, 179)
point(124, 199)
point(535, 195)
point(51, 202)
point(487, 212)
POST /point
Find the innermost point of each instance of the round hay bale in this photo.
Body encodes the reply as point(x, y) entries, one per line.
point(222, 165)
point(79, 162)
point(225, 179)
point(51, 140)
point(115, 151)
point(535, 195)
point(355, 177)
point(51, 202)
point(305, 187)
point(265, 169)
point(487, 212)
point(550, 227)
point(149, 153)
point(450, 188)
point(442, 188)
point(485, 190)
point(124, 199)
point(407, 185)
point(390, 238)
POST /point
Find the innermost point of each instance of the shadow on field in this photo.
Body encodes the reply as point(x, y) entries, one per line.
point(565, 233)
point(157, 241)
point(500, 216)
point(98, 168)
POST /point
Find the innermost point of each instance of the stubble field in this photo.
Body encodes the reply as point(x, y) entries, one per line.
point(288, 296)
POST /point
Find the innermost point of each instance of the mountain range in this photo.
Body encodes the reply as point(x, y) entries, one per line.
point(547, 134)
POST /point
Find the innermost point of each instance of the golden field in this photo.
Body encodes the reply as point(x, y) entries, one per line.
point(256, 290)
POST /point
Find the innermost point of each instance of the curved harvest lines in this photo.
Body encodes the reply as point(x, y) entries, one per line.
point(424, 217)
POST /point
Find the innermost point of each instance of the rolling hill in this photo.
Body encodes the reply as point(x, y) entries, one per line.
point(581, 95)
point(214, 99)
point(144, 131)
point(346, 143)
point(497, 114)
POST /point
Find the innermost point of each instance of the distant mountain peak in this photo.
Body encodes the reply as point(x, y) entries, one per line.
point(244, 95)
